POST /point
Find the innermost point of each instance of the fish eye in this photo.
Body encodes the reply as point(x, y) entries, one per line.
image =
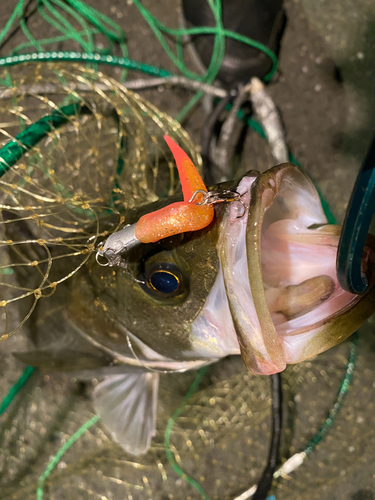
point(163, 280)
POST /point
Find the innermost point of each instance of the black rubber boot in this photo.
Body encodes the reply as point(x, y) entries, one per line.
point(260, 20)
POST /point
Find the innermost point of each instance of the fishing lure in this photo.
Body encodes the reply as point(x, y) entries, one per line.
point(194, 213)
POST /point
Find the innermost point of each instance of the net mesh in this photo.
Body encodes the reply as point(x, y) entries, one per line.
point(107, 156)
point(220, 438)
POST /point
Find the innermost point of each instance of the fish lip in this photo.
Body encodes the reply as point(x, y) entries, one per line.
point(264, 348)
point(261, 349)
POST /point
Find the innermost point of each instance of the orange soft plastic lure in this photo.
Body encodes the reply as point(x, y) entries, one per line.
point(182, 216)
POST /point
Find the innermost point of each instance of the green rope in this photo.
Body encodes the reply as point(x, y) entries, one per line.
point(82, 14)
point(219, 42)
point(218, 49)
point(99, 20)
point(16, 13)
point(47, 41)
point(29, 36)
point(64, 26)
point(56, 459)
point(16, 389)
point(157, 27)
point(29, 137)
point(84, 57)
point(65, 16)
point(51, 11)
point(167, 436)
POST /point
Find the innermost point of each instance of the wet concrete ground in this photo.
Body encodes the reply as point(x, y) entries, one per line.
point(325, 92)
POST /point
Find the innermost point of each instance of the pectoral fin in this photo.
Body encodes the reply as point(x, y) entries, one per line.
point(127, 405)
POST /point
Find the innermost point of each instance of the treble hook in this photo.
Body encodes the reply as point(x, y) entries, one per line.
point(212, 197)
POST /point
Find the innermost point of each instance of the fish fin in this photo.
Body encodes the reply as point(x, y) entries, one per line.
point(127, 406)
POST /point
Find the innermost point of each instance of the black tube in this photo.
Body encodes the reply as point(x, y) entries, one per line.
point(265, 481)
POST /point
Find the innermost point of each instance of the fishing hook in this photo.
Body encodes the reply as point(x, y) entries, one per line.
point(213, 197)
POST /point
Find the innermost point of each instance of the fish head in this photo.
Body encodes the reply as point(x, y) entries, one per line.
point(279, 269)
point(260, 280)
point(155, 300)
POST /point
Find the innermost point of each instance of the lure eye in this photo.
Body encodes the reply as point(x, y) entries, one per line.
point(164, 281)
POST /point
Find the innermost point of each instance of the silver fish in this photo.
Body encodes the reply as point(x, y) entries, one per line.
point(262, 284)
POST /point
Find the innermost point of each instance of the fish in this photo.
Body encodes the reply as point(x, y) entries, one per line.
point(258, 281)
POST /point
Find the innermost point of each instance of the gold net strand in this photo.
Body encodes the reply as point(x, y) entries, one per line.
point(105, 159)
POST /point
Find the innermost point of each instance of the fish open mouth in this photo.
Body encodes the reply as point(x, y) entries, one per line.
point(279, 269)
